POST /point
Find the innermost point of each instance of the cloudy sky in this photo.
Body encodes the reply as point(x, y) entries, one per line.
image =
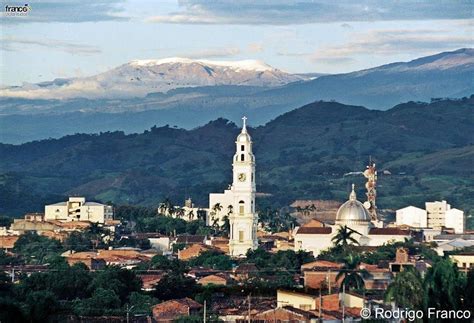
point(60, 38)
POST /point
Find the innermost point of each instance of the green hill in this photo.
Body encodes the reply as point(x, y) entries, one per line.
point(304, 153)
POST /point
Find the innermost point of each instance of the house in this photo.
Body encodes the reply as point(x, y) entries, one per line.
point(320, 273)
point(173, 309)
point(157, 240)
point(285, 314)
point(123, 257)
point(376, 276)
point(245, 271)
point(298, 300)
point(193, 251)
point(464, 260)
point(149, 281)
point(8, 242)
point(91, 262)
point(218, 280)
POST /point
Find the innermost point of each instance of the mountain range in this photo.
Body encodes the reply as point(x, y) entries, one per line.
point(141, 77)
point(187, 93)
point(428, 148)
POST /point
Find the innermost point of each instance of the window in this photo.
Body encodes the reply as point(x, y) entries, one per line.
point(242, 157)
point(242, 148)
point(241, 236)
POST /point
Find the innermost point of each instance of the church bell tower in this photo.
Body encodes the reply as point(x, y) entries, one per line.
point(243, 220)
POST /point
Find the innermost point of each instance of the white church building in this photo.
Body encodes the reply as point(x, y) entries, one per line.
point(238, 201)
point(353, 214)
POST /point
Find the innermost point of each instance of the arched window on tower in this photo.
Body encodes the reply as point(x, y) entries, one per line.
point(241, 208)
point(242, 148)
point(242, 157)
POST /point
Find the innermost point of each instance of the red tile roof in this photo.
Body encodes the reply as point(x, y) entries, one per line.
point(389, 231)
point(314, 230)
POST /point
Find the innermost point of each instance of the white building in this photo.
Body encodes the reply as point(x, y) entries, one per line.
point(354, 215)
point(413, 217)
point(238, 202)
point(454, 219)
point(77, 209)
point(441, 215)
point(438, 215)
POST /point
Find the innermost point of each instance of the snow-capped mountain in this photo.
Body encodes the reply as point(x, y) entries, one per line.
point(141, 77)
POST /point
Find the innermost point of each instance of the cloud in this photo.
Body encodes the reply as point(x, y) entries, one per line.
point(255, 48)
point(287, 12)
point(71, 11)
point(387, 42)
point(13, 44)
point(213, 53)
point(293, 54)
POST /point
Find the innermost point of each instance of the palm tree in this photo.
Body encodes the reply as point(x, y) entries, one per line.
point(344, 236)
point(350, 274)
point(230, 210)
point(217, 208)
point(191, 215)
point(166, 205)
point(406, 290)
point(180, 212)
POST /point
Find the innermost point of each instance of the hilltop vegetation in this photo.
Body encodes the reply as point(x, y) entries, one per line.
point(428, 148)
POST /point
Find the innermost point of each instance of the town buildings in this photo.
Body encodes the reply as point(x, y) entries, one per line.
point(354, 215)
point(437, 215)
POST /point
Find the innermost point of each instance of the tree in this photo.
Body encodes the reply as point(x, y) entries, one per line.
point(77, 241)
point(141, 303)
point(344, 236)
point(406, 290)
point(180, 212)
point(443, 285)
point(175, 285)
point(212, 259)
point(121, 281)
point(469, 290)
point(40, 305)
point(350, 274)
point(36, 249)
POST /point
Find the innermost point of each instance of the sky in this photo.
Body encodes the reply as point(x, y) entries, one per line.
point(74, 38)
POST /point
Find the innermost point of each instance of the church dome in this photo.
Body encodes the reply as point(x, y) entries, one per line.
point(352, 211)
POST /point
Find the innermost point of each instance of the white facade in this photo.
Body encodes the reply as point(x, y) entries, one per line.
point(454, 219)
point(413, 217)
point(77, 209)
point(437, 213)
point(238, 202)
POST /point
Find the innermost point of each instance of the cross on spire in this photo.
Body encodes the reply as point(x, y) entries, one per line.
point(244, 127)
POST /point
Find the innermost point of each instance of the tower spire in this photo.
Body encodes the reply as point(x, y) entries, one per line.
point(353, 195)
point(244, 126)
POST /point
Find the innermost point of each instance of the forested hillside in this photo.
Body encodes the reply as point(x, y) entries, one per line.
point(428, 149)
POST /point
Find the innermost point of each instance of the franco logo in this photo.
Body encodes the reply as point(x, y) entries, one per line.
point(17, 10)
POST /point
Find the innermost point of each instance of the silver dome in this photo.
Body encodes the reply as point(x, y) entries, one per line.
point(352, 211)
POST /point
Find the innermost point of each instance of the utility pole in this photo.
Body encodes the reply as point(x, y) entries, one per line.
point(320, 304)
point(329, 281)
point(343, 303)
point(204, 318)
point(249, 307)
